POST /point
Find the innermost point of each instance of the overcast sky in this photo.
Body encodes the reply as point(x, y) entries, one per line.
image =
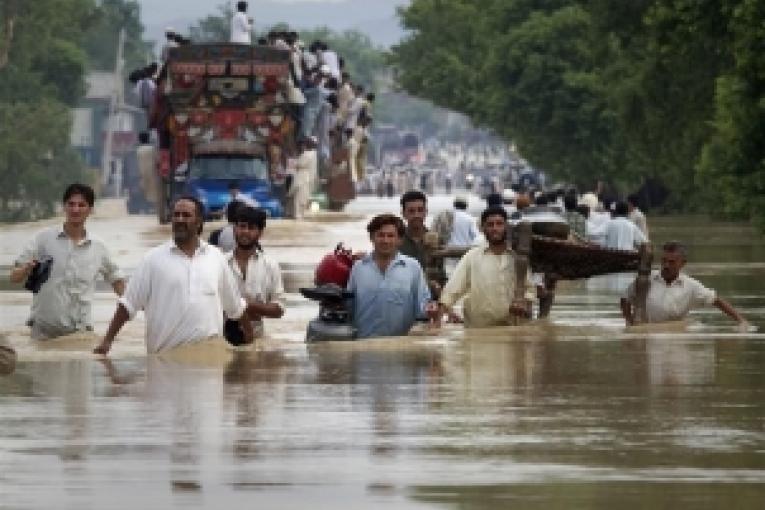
point(377, 18)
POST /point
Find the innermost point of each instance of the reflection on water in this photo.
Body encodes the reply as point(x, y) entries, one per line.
point(571, 413)
point(468, 422)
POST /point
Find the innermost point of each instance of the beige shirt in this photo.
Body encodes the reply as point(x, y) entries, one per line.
point(64, 302)
point(262, 282)
point(673, 302)
point(488, 283)
point(184, 298)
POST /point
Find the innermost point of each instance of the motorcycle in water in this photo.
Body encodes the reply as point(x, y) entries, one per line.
point(331, 278)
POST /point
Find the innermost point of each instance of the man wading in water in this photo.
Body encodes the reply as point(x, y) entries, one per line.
point(62, 304)
point(672, 294)
point(257, 276)
point(486, 277)
point(184, 287)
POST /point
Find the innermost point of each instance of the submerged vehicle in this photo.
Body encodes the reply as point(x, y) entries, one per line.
point(331, 277)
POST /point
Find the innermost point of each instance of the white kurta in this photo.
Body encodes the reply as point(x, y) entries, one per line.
point(305, 176)
point(622, 234)
point(241, 29)
point(674, 301)
point(184, 298)
point(262, 282)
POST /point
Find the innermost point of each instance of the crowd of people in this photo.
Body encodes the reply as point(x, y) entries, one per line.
point(331, 112)
point(191, 290)
point(592, 218)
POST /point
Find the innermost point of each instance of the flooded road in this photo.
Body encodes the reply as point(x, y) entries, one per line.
point(574, 412)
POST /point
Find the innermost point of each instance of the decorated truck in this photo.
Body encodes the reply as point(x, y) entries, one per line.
point(221, 116)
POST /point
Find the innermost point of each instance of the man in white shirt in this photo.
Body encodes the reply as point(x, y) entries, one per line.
point(306, 169)
point(672, 294)
point(257, 276)
point(170, 43)
point(636, 216)
point(330, 58)
point(486, 277)
point(355, 107)
point(241, 25)
point(63, 303)
point(184, 287)
point(597, 219)
point(621, 233)
point(464, 230)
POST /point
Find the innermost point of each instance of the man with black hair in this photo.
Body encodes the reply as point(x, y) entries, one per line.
point(390, 291)
point(672, 294)
point(414, 209)
point(258, 278)
point(329, 58)
point(241, 25)
point(621, 233)
point(235, 193)
point(63, 303)
point(485, 277)
point(184, 287)
point(146, 89)
point(170, 43)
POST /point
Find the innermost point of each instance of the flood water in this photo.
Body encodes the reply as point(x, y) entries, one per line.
point(574, 412)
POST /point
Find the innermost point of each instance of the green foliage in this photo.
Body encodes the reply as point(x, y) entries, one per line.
point(364, 61)
point(102, 35)
point(36, 161)
point(668, 89)
point(42, 77)
point(213, 28)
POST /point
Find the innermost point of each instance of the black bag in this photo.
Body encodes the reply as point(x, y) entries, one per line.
point(39, 275)
point(214, 238)
point(233, 333)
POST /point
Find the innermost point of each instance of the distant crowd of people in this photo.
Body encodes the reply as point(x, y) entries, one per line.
point(599, 220)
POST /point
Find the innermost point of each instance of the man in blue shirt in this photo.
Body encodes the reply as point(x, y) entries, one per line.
point(389, 288)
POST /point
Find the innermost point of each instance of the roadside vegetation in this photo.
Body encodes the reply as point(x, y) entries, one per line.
point(46, 48)
point(652, 89)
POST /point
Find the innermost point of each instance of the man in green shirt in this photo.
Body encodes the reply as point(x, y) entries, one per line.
point(414, 209)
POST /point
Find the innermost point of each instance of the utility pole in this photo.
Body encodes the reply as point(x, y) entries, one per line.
point(115, 99)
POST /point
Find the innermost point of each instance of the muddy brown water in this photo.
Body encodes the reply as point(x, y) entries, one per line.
point(575, 412)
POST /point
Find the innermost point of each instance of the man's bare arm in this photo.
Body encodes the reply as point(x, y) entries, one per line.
point(119, 319)
point(257, 310)
point(728, 310)
point(20, 273)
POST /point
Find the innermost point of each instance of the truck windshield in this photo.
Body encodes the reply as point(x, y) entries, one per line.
point(226, 167)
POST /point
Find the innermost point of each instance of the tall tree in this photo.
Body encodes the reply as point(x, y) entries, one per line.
point(668, 89)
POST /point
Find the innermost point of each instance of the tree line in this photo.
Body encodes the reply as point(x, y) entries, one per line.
point(46, 47)
point(663, 90)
